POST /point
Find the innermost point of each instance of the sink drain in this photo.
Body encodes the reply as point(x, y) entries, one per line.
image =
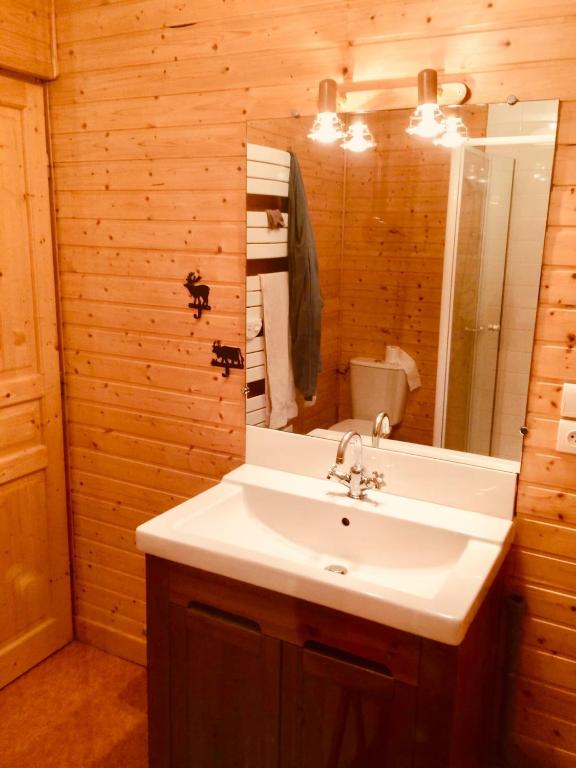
point(336, 569)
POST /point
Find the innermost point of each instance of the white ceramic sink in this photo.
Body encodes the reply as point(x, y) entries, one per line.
point(410, 564)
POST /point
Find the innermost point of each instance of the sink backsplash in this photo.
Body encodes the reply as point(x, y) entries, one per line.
point(490, 490)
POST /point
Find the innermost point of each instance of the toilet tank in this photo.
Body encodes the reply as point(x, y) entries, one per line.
point(377, 386)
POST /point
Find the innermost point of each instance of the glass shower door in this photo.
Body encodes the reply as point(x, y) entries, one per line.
point(481, 233)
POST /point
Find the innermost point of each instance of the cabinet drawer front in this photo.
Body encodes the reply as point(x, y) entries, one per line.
point(298, 621)
point(347, 671)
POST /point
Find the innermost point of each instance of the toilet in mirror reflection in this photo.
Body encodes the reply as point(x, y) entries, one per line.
point(375, 386)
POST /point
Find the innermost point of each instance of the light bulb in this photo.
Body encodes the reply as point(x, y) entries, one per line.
point(427, 121)
point(358, 138)
point(455, 133)
point(327, 128)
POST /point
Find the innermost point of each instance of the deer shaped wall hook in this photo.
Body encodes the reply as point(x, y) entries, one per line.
point(199, 293)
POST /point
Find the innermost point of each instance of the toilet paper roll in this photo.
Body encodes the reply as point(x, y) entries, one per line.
point(397, 356)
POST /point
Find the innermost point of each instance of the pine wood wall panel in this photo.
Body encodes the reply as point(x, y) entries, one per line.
point(26, 43)
point(143, 107)
point(545, 554)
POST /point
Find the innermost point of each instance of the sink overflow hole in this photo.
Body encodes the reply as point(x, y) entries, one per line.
point(337, 569)
point(345, 521)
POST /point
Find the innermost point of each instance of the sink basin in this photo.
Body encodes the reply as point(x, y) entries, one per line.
point(413, 565)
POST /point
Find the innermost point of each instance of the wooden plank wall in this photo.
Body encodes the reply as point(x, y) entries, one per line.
point(26, 37)
point(148, 123)
point(323, 171)
point(545, 555)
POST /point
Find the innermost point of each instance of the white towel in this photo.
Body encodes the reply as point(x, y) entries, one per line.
point(280, 391)
point(397, 356)
point(253, 328)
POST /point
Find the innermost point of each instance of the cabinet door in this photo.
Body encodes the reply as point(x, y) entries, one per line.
point(225, 691)
point(342, 712)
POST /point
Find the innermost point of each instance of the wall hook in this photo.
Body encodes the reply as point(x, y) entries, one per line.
point(199, 293)
point(227, 357)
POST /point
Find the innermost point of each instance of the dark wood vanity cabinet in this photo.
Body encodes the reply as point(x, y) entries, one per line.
point(241, 677)
point(224, 692)
point(342, 713)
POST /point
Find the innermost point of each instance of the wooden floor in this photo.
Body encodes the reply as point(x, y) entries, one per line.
point(81, 708)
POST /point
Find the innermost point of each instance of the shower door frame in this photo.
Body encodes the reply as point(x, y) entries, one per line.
point(448, 279)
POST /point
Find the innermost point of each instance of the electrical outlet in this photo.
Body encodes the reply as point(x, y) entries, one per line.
point(566, 440)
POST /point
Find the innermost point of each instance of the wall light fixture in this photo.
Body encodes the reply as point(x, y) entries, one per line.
point(327, 127)
point(427, 120)
point(455, 133)
point(358, 137)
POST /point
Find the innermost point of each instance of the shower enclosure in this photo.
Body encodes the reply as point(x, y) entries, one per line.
point(474, 274)
point(496, 223)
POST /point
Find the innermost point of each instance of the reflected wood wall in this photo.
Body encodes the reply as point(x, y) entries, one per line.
point(393, 255)
point(148, 128)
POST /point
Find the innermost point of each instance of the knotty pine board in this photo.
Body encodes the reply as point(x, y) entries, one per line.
point(26, 37)
point(90, 20)
point(179, 125)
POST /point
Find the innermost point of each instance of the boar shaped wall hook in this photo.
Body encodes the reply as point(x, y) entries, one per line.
point(227, 357)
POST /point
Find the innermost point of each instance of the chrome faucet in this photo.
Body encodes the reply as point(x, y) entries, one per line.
point(355, 479)
point(380, 428)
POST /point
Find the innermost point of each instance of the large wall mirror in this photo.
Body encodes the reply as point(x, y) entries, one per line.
point(429, 264)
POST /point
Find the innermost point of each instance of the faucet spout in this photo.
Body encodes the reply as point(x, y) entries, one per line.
point(345, 440)
point(380, 428)
point(355, 479)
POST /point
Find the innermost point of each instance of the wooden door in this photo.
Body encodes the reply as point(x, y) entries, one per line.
point(35, 609)
point(342, 712)
point(224, 690)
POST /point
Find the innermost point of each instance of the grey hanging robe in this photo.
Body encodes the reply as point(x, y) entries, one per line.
point(304, 287)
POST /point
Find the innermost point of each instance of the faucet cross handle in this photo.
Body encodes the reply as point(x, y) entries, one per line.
point(343, 477)
point(349, 479)
point(375, 480)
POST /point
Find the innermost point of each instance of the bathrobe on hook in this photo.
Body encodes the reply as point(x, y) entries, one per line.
point(304, 287)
